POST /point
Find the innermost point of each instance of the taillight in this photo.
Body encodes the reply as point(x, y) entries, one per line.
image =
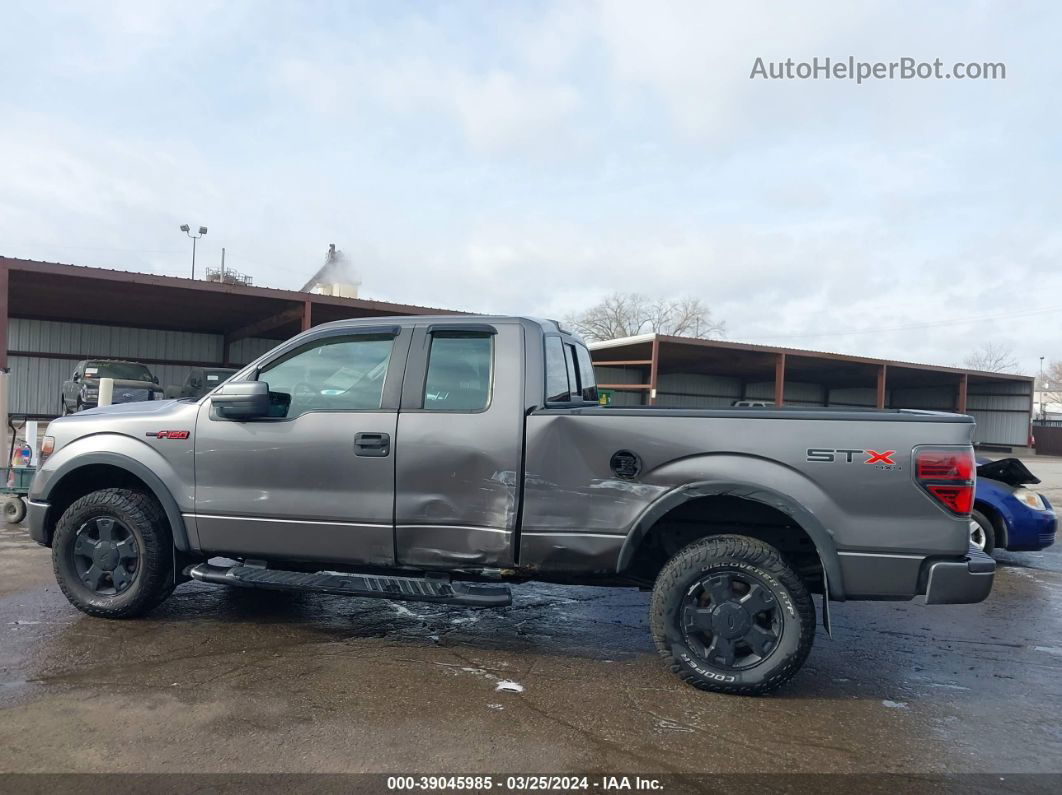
point(947, 475)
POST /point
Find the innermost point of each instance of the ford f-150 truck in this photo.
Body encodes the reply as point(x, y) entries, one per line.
point(442, 459)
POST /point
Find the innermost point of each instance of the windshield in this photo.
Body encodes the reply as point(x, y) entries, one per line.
point(127, 371)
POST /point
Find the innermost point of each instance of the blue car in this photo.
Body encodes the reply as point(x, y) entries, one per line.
point(1007, 514)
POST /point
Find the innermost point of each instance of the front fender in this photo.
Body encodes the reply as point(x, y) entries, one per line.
point(123, 452)
point(788, 504)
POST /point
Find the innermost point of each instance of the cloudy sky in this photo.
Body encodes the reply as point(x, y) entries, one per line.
point(533, 157)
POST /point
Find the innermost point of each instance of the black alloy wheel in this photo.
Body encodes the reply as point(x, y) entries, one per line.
point(731, 620)
point(106, 556)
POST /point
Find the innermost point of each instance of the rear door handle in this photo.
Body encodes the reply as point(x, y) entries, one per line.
point(373, 445)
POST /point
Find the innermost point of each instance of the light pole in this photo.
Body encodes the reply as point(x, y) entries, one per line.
point(188, 231)
point(1043, 408)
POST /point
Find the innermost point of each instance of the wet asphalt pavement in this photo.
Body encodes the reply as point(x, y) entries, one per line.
point(220, 680)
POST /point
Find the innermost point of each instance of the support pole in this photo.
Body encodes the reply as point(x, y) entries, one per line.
point(5, 440)
point(106, 392)
point(5, 432)
point(779, 379)
point(307, 315)
point(960, 398)
point(882, 375)
point(654, 367)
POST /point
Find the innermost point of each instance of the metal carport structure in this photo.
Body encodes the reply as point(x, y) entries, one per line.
point(53, 315)
point(656, 369)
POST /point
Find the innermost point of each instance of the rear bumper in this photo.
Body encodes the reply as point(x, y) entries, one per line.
point(958, 582)
point(36, 516)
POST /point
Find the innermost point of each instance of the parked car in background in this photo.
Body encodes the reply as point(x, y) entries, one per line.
point(201, 380)
point(132, 382)
point(1008, 514)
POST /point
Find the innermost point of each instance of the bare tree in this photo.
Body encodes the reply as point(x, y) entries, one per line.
point(992, 358)
point(629, 314)
point(1051, 385)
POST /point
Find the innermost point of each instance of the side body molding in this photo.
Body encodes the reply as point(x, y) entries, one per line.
point(820, 535)
point(162, 492)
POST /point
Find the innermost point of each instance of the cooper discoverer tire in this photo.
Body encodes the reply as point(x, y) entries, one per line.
point(113, 554)
point(729, 615)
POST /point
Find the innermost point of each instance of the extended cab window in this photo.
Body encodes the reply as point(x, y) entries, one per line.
point(557, 388)
point(333, 374)
point(569, 373)
point(460, 368)
point(587, 379)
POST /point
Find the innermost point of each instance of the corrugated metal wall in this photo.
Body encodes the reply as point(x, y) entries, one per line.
point(796, 393)
point(35, 381)
point(856, 397)
point(691, 391)
point(1003, 411)
point(81, 340)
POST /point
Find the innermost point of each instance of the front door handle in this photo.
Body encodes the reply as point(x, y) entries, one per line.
point(373, 445)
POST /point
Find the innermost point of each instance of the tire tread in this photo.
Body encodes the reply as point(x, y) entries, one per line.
point(746, 549)
point(157, 545)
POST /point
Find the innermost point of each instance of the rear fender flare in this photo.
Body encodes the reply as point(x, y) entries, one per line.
point(820, 536)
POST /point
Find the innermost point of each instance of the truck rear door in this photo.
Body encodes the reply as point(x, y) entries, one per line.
point(459, 449)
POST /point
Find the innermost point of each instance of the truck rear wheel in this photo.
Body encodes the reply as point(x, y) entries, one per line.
point(729, 615)
point(113, 554)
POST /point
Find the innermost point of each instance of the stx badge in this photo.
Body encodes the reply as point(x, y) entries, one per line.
point(826, 455)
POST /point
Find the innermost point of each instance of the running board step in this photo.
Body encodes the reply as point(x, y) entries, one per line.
point(378, 586)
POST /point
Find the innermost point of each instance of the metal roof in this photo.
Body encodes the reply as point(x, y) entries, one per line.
point(691, 344)
point(58, 291)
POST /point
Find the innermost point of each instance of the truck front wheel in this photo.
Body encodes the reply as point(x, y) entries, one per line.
point(729, 615)
point(113, 554)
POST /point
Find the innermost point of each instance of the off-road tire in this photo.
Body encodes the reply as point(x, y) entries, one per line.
point(153, 579)
point(987, 528)
point(746, 557)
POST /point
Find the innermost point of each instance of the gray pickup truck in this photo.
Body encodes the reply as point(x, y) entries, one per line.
point(442, 459)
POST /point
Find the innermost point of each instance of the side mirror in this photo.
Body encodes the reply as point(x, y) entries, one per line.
point(155, 379)
point(77, 377)
point(242, 400)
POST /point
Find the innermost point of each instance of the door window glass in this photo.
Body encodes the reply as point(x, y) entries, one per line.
point(459, 372)
point(334, 374)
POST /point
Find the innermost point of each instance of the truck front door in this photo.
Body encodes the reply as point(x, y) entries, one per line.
point(316, 479)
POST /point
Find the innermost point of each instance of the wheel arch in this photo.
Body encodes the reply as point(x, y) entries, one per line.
point(87, 471)
point(998, 520)
point(758, 495)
